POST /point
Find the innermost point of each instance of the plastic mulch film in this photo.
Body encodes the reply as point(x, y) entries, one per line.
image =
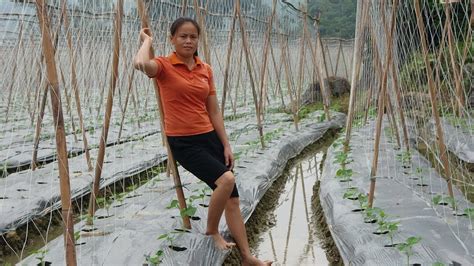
point(406, 190)
point(131, 232)
point(30, 194)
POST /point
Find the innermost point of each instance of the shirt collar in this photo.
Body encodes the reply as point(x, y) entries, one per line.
point(175, 60)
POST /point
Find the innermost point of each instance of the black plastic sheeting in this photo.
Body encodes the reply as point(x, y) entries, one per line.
point(446, 238)
point(132, 231)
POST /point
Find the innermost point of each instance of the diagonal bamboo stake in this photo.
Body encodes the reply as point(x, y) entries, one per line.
point(239, 77)
point(42, 106)
point(108, 112)
point(391, 119)
point(249, 68)
point(381, 102)
point(75, 87)
point(301, 63)
point(457, 81)
point(129, 90)
point(12, 78)
point(338, 56)
point(344, 61)
point(324, 90)
point(66, 210)
point(434, 104)
point(68, 104)
point(401, 114)
point(356, 65)
point(277, 76)
point(265, 59)
point(329, 59)
point(184, 8)
point(286, 62)
point(373, 83)
point(227, 64)
point(171, 161)
point(200, 19)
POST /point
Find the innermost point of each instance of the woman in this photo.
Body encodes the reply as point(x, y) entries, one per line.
point(195, 129)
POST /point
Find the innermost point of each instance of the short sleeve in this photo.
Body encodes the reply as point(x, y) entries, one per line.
point(160, 68)
point(212, 86)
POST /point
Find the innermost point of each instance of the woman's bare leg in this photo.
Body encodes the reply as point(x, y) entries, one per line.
point(221, 194)
point(239, 233)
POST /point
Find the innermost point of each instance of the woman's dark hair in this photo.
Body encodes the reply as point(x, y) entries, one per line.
point(179, 22)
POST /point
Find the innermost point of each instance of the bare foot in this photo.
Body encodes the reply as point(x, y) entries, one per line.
point(252, 261)
point(221, 243)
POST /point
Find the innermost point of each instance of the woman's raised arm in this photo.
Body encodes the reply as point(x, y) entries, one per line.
point(143, 60)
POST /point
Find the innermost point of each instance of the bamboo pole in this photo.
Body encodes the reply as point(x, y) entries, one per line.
point(65, 190)
point(356, 64)
point(330, 60)
point(285, 60)
point(239, 77)
point(301, 63)
point(397, 94)
point(75, 87)
point(200, 18)
point(265, 60)
point(457, 77)
point(227, 64)
point(43, 104)
point(249, 68)
point(108, 111)
point(345, 64)
point(325, 93)
point(392, 120)
point(12, 78)
point(381, 103)
point(338, 56)
point(278, 74)
point(68, 104)
point(129, 90)
point(171, 161)
point(184, 8)
point(434, 104)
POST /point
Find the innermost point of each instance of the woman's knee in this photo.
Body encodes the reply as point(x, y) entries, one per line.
point(233, 203)
point(227, 179)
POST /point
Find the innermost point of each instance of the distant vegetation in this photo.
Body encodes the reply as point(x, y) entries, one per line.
point(338, 17)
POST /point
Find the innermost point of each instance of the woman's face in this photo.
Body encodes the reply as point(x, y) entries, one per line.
point(185, 40)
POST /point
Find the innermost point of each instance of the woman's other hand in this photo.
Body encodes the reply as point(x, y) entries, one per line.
point(229, 158)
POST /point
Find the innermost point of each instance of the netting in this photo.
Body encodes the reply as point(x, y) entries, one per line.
point(413, 83)
point(257, 79)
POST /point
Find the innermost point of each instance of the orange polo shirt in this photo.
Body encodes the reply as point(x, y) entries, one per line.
point(184, 94)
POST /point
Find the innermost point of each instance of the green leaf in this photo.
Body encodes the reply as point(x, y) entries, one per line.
point(469, 212)
point(173, 204)
point(413, 240)
point(163, 236)
point(437, 199)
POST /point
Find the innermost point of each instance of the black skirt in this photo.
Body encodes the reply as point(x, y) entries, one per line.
point(202, 155)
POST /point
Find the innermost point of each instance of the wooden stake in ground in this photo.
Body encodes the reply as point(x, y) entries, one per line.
point(359, 43)
point(381, 102)
point(65, 189)
point(249, 68)
point(75, 87)
point(108, 111)
point(265, 60)
point(434, 104)
point(227, 62)
point(174, 169)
